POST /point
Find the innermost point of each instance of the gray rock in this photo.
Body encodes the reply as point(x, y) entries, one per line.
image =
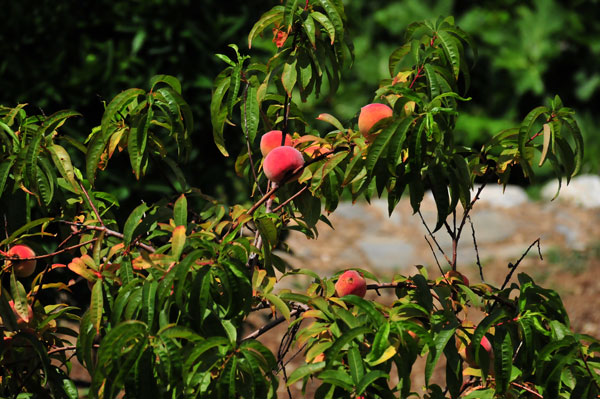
point(493, 195)
point(582, 191)
point(384, 252)
point(491, 226)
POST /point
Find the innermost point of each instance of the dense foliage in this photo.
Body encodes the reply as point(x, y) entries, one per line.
point(172, 284)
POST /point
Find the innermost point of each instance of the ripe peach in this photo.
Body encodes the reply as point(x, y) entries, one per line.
point(280, 161)
point(20, 320)
point(351, 283)
point(24, 268)
point(272, 140)
point(371, 114)
point(468, 353)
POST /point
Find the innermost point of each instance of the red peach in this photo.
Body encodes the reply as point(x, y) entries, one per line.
point(469, 352)
point(351, 283)
point(20, 320)
point(272, 140)
point(281, 161)
point(371, 114)
point(24, 268)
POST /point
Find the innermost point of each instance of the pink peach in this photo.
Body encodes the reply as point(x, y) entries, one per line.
point(281, 161)
point(24, 268)
point(351, 283)
point(272, 140)
point(371, 114)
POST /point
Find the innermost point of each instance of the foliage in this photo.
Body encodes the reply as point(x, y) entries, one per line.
point(172, 285)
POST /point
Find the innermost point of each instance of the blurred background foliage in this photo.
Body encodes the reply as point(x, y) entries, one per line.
point(78, 55)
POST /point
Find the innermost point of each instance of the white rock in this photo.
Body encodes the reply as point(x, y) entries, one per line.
point(493, 195)
point(583, 191)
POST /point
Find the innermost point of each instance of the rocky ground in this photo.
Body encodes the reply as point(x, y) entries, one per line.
point(505, 225)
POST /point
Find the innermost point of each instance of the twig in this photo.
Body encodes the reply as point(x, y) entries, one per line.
point(110, 232)
point(435, 256)
point(301, 308)
point(303, 189)
point(87, 196)
point(514, 267)
point(434, 239)
point(531, 391)
point(476, 249)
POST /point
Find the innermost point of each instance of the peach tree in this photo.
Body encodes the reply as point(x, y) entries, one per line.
point(172, 285)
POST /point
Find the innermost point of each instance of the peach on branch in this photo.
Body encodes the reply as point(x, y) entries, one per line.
point(351, 282)
point(272, 140)
point(22, 268)
point(371, 114)
point(280, 162)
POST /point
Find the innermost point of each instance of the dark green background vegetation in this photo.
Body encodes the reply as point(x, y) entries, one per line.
point(73, 54)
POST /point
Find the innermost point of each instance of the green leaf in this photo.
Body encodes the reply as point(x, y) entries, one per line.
point(310, 29)
point(450, 47)
point(334, 17)
point(368, 380)
point(19, 296)
point(305, 371)
point(250, 113)
point(338, 378)
point(332, 120)
point(397, 56)
point(578, 138)
point(133, 221)
point(367, 306)
point(92, 156)
point(149, 302)
point(279, 304)
point(440, 341)
point(439, 188)
point(288, 14)
point(114, 110)
point(380, 143)
point(97, 305)
point(273, 16)
point(432, 81)
point(525, 134)
point(547, 132)
point(267, 229)
point(289, 75)
point(218, 114)
point(380, 343)
point(355, 364)
point(325, 23)
point(137, 139)
point(334, 351)
point(23, 229)
point(5, 168)
point(180, 211)
point(178, 241)
point(503, 353)
point(62, 161)
point(171, 81)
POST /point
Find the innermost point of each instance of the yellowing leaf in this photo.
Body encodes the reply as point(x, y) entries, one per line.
point(388, 353)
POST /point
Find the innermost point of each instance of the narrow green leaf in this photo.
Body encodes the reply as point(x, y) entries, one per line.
point(19, 296)
point(218, 114)
point(180, 211)
point(149, 302)
point(23, 229)
point(367, 306)
point(547, 132)
point(279, 304)
point(440, 341)
point(355, 364)
point(251, 113)
point(289, 75)
point(338, 378)
point(116, 108)
point(450, 47)
point(62, 161)
point(439, 188)
point(368, 380)
point(133, 221)
point(524, 136)
point(5, 168)
point(273, 16)
point(334, 17)
point(332, 120)
point(310, 29)
point(326, 24)
point(167, 79)
point(97, 305)
point(305, 371)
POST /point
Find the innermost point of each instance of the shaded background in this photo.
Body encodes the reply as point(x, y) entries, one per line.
point(73, 54)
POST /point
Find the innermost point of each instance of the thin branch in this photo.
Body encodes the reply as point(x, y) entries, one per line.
point(531, 391)
point(301, 308)
point(303, 189)
point(110, 232)
point(514, 267)
point(476, 249)
point(434, 239)
point(435, 256)
point(87, 196)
